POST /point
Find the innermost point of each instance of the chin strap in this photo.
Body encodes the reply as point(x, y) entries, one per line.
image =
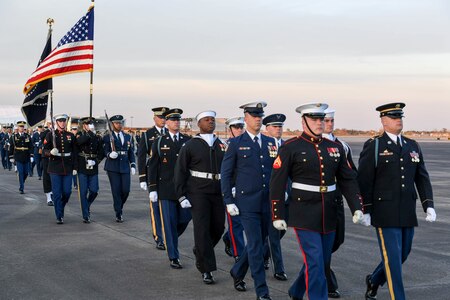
point(309, 128)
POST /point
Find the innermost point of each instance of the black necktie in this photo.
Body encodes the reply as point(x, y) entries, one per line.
point(399, 144)
point(255, 139)
point(175, 139)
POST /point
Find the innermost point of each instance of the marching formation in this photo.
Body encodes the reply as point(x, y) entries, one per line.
point(245, 191)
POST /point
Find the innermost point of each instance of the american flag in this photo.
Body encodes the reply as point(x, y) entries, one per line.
point(74, 53)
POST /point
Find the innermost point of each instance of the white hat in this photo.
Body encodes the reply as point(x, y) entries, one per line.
point(254, 108)
point(312, 109)
point(61, 116)
point(234, 121)
point(204, 114)
point(329, 113)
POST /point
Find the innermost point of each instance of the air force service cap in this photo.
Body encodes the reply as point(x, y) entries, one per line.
point(312, 110)
point(204, 114)
point(116, 118)
point(254, 108)
point(391, 110)
point(274, 120)
point(158, 111)
point(173, 114)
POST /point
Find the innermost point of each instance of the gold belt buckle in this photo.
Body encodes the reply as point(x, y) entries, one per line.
point(323, 189)
point(217, 176)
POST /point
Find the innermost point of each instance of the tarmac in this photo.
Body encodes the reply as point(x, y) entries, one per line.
point(107, 260)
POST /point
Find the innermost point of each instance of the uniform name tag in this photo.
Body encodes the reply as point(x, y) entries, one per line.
point(386, 153)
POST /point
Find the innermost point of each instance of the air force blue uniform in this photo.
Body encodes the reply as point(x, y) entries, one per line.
point(251, 166)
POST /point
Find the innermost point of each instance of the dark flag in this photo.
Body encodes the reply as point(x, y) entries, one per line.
point(34, 107)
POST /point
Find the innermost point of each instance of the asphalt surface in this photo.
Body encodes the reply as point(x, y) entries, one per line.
point(108, 260)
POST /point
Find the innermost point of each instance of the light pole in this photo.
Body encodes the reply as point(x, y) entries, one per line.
point(131, 121)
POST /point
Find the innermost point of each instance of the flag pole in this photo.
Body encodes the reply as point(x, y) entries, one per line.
point(50, 22)
point(91, 87)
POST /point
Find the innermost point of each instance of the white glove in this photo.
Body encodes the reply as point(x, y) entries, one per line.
point(431, 215)
point(143, 185)
point(133, 171)
point(153, 196)
point(11, 160)
point(280, 224)
point(74, 172)
point(232, 209)
point(113, 155)
point(366, 220)
point(31, 159)
point(358, 217)
point(286, 196)
point(90, 162)
point(54, 151)
point(233, 192)
point(185, 203)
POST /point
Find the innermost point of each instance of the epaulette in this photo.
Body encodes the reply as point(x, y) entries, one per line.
point(376, 136)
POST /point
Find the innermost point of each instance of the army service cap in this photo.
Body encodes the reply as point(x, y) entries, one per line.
point(206, 113)
point(87, 120)
point(159, 111)
point(391, 110)
point(312, 110)
point(21, 123)
point(173, 114)
point(274, 120)
point(254, 108)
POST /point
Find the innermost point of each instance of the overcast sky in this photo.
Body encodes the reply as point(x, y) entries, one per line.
point(198, 55)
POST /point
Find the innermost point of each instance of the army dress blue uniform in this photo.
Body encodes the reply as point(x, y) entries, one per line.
point(61, 165)
point(144, 149)
point(118, 169)
point(161, 168)
point(37, 152)
point(388, 175)
point(4, 157)
point(6, 147)
point(251, 164)
point(21, 151)
point(90, 154)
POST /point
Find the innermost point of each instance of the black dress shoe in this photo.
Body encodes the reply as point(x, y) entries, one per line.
point(227, 247)
point(334, 294)
point(119, 219)
point(86, 221)
point(40, 178)
point(160, 245)
point(59, 221)
point(50, 203)
point(21, 192)
point(371, 292)
point(265, 297)
point(208, 278)
point(239, 284)
point(266, 264)
point(175, 264)
point(280, 276)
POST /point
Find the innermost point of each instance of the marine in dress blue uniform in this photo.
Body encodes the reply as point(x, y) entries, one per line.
point(37, 150)
point(391, 168)
point(197, 180)
point(120, 161)
point(272, 246)
point(233, 237)
point(315, 165)
point(247, 165)
point(175, 215)
point(60, 148)
point(90, 154)
point(21, 152)
point(144, 149)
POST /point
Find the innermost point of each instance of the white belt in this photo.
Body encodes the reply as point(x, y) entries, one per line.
point(204, 175)
point(122, 152)
point(63, 154)
point(314, 188)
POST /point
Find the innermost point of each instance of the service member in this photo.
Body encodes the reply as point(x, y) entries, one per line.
point(37, 150)
point(332, 284)
point(233, 237)
point(144, 148)
point(120, 161)
point(315, 166)
point(175, 215)
point(197, 179)
point(7, 145)
point(2, 148)
point(391, 167)
point(247, 166)
point(74, 130)
point(46, 181)
point(272, 245)
point(60, 147)
point(21, 153)
point(90, 154)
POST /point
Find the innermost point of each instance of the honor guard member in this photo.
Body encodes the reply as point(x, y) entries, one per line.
point(46, 181)
point(2, 147)
point(7, 145)
point(197, 180)
point(120, 161)
point(332, 284)
point(175, 215)
point(21, 153)
point(74, 130)
point(272, 245)
point(90, 154)
point(144, 148)
point(391, 168)
point(234, 236)
point(247, 165)
point(315, 165)
point(60, 147)
point(37, 150)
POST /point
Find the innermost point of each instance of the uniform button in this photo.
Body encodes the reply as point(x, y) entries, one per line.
point(264, 175)
point(323, 181)
point(274, 209)
point(304, 159)
point(403, 176)
point(276, 216)
point(321, 158)
point(379, 198)
point(403, 185)
point(177, 154)
point(402, 168)
point(274, 203)
point(321, 166)
point(317, 146)
point(298, 199)
point(319, 151)
point(387, 161)
point(264, 185)
point(323, 174)
point(242, 192)
point(261, 156)
point(401, 159)
point(262, 166)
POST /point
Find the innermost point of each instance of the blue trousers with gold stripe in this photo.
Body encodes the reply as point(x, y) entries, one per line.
point(395, 245)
